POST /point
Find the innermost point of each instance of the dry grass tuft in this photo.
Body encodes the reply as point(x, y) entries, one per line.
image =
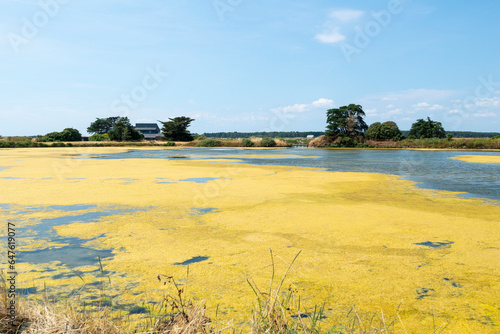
point(321, 141)
point(182, 316)
point(276, 311)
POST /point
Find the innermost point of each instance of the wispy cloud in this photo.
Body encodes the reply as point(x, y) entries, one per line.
point(330, 37)
point(331, 33)
point(346, 15)
point(412, 95)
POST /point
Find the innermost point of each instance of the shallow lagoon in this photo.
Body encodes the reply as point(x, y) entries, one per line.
point(368, 239)
point(432, 169)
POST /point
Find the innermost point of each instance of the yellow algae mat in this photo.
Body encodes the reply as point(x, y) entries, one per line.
point(478, 158)
point(367, 239)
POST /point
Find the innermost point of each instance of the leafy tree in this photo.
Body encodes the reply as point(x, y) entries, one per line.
point(124, 131)
point(383, 131)
point(245, 142)
point(70, 134)
point(427, 129)
point(176, 129)
point(209, 142)
point(102, 125)
point(52, 136)
point(345, 121)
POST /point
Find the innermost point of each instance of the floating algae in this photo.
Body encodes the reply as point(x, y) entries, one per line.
point(492, 159)
point(357, 233)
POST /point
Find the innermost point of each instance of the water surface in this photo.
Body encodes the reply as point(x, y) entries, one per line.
point(432, 169)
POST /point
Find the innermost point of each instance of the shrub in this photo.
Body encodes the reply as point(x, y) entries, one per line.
point(170, 143)
point(58, 144)
point(99, 137)
point(245, 142)
point(209, 143)
point(267, 142)
point(347, 142)
point(496, 137)
point(24, 144)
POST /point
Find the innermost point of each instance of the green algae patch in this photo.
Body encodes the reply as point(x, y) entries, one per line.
point(366, 239)
point(478, 158)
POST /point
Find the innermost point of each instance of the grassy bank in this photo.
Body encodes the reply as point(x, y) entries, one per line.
point(23, 142)
point(435, 143)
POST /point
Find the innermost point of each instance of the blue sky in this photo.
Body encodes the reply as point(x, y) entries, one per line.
point(248, 65)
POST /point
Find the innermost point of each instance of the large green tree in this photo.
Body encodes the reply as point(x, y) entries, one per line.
point(427, 129)
point(70, 134)
point(176, 129)
point(124, 131)
point(102, 125)
point(383, 131)
point(346, 121)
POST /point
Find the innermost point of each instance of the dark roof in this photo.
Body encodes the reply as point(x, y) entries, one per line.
point(146, 125)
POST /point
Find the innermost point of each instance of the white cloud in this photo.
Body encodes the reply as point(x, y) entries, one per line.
point(427, 106)
point(436, 107)
point(421, 105)
point(488, 102)
point(331, 36)
point(292, 110)
point(323, 103)
point(346, 15)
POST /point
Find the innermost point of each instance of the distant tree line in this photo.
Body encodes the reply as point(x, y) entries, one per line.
point(272, 134)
